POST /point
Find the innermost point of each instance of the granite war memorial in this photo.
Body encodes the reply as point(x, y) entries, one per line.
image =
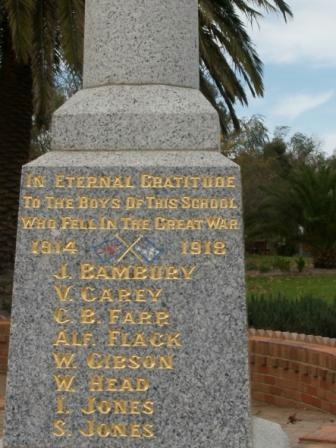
point(128, 322)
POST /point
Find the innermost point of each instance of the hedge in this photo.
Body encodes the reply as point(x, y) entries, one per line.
point(308, 314)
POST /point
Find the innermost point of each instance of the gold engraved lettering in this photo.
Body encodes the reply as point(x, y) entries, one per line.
point(63, 293)
point(61, 409)
point(56, 203)
point(63, 273)
point(155, 272)
point(99, 383)
point(60, 316)
point(154, 202)
point(136, 224)
point(188, 202)
point(117, 430)
point(90, 295)
point(156, 340)
point(139, 295)
point(64, 360)
point(134, 203)
point(59, 428)
point(219, 223)
point(203, 248)
point(32, 181)
point(150, 181)
point(74, 339)
point(45, 247)
point(31, 202)
point(73, 223)
point(124, 317)
point(118, 407)
point(64, 383)
point(93, 272)
point(80, 182)
point(37, 223)
point(100, 361)
point(85, 202)
point(219, 182)
point(184, 202)
point(88, 316)
point(175, 182)
point(178, 224)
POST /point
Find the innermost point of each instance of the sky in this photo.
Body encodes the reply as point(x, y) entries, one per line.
point(299, 70)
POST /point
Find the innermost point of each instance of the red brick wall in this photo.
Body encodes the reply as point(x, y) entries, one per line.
point(289, 369)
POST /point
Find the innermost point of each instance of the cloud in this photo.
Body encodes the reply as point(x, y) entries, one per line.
point(307, 38)
point(295, 105)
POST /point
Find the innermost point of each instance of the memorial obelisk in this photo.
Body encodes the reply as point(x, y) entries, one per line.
point(129, 320)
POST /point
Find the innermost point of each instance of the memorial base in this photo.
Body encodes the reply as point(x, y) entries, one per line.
point(129, 314)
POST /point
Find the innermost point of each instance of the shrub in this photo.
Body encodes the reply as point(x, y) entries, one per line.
point(282, 263)
point(264, 267)
point(300, 264)
point(309, 315)
point(251, 266)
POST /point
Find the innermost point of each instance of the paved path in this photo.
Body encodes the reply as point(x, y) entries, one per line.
point(306, 422)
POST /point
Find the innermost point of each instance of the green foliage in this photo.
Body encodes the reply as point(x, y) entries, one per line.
point(48, 36)
point(268, 263)
point(251, 138)
point(251, 265)
point(19, 19)
point(41, 137)
point(308, 314)
point(230, 64)
point(303, 207)
point(40, 142)
point(282, 263)
point(46, 32)
point(289, 191)
point(300, 264)
point(264, 268)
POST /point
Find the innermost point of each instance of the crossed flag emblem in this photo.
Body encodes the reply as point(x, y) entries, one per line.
point(118, 248)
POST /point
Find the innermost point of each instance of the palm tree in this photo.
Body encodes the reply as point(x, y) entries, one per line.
point(36, 36)
point(229, 62)
point(303, 207)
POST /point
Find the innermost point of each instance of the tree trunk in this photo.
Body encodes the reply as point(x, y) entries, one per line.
point(15, 130)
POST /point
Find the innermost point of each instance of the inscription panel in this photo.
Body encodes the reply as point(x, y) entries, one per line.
point(128, 320)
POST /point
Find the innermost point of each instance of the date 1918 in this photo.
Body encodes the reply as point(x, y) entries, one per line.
point(203, 248)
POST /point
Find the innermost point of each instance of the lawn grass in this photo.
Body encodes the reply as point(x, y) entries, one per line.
point(293, 286)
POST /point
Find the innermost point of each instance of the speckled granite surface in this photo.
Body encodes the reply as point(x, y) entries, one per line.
point(197, 394)
point(265, 434)
point(136, 118)
point(141, 42)
point(141, 81)
point(129, 319)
